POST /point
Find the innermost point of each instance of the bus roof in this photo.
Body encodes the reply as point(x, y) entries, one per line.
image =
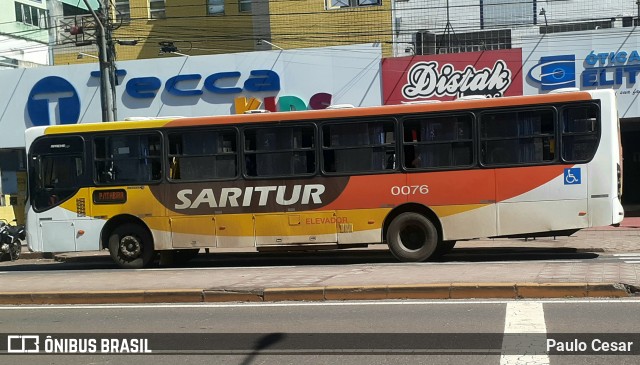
point(410, 108)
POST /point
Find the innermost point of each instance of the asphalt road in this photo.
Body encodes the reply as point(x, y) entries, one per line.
point(380, 332)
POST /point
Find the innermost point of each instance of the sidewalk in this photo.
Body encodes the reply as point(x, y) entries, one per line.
point(574, 276)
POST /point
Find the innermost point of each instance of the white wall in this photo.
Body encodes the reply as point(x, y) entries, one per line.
point(28, 53)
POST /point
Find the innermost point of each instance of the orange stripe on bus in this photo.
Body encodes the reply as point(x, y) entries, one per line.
point(517, 181)
point(469, 189)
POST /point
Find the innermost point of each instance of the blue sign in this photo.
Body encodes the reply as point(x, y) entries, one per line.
point(53, 100)
point(554, 72)
point(600, 69)
point(612, 68)
point(217, 83)
point(572, 176)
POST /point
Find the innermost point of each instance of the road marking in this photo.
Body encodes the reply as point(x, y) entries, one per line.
point(523, 318)
point(551, 261)
point(628, 258)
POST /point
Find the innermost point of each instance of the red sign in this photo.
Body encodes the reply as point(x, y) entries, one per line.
point(450, 76)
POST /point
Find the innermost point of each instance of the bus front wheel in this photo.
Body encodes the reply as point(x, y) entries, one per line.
point(412, 237)
point(131, 247)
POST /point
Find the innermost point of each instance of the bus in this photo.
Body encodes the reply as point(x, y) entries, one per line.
point(417, 177)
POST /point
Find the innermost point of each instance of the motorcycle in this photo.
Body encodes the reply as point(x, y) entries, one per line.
point(10, 241)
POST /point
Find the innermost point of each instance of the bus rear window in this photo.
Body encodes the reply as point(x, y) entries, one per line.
point(580, 132)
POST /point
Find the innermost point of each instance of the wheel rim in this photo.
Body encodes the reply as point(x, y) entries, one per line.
point(413, 236)
point(130, 246)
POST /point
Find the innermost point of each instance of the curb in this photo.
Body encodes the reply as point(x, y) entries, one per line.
point(425, 291)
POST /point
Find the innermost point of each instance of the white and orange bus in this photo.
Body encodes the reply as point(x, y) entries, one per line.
point(418, 177)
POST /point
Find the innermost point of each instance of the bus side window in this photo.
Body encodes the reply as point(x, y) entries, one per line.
point(359, 147)
point(130, 158)
point(280, 151)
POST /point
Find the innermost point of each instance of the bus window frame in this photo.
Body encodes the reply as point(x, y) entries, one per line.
point(132, 132)
point(561, 132)
point(474, 141)
point(518, 109)
point(166, 156)
point(277, 125)
point(394, 120)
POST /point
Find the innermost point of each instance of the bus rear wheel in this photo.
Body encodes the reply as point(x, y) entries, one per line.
point(131, 246)
point(412, 237)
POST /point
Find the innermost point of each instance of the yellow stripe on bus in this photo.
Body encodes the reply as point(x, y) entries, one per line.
point(110, 126)
point(448, 210)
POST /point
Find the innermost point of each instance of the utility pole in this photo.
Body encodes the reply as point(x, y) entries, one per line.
point(106, 55)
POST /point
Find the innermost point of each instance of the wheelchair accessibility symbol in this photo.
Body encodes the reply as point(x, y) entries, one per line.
point(572, 176)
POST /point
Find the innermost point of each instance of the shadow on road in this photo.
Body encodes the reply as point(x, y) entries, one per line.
point(338, 257)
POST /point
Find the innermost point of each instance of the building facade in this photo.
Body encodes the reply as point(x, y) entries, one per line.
point(24, 33)
point(424, 27)
point(196, 27)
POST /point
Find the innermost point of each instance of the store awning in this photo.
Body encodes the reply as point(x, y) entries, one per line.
point(95, 4)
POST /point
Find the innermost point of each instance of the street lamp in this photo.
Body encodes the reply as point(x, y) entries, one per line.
point(260, 41)
point(544, 14)
point(170, 47)
point(82, 55)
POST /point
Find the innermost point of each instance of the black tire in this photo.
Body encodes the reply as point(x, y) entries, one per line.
point(15, 250)
point(412, 237)
point(131, 246)
point(444, 248)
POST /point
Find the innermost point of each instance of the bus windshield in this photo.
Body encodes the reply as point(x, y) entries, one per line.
point(55, 171)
